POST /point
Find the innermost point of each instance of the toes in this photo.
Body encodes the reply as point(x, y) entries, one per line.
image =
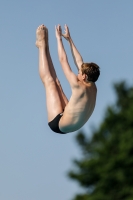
point(42, 32)
point(42, 27)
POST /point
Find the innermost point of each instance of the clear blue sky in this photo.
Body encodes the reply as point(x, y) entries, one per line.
point(34, 160)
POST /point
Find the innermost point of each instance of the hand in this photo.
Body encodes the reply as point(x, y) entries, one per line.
point(58, 32)
point(66, 35)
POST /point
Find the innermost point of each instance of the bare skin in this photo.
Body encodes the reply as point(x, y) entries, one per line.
point(82, 102)
point(55, 97)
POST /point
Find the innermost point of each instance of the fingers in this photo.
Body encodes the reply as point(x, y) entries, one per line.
point(58, 28)
point(58, 31)
point(63, 35)
point(66, 27)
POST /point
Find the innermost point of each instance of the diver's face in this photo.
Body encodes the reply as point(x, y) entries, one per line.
point(79, 75)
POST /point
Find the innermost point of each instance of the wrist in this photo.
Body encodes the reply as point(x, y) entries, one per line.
point(59, 38)
point(69, 40)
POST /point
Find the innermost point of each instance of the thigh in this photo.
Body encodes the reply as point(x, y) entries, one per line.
point(62, 95)
point(53, 101)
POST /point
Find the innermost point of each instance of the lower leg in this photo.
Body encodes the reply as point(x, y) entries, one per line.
point(54, 105)
point(42, 45)
point(63, 97)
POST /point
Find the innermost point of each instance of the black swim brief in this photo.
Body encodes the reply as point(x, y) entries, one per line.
point(54, 124)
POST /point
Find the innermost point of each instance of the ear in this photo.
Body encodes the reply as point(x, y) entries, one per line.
point(84, 76)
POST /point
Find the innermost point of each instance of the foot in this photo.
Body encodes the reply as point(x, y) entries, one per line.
point(41, 36)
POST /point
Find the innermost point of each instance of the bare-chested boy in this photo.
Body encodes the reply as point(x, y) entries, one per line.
point(66, 116)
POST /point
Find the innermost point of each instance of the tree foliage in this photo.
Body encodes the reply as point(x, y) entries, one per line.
point(105, 169)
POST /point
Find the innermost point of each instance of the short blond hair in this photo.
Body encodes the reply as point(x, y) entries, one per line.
point(92, 71)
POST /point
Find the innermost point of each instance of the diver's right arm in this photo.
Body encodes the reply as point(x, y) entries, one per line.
point(75, 53)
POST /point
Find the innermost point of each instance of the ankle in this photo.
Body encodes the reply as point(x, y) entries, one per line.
point(42, 45)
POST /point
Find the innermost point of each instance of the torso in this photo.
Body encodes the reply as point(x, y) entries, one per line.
point(79, 108)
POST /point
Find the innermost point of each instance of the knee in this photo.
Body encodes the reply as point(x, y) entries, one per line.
point(48, 81)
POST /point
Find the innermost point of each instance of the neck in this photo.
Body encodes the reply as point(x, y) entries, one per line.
point(87, 82)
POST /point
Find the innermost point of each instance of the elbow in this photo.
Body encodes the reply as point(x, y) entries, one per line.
point(79, 60)
point(63, 59)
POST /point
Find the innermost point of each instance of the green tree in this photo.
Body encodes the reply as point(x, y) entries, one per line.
point(105, 169)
